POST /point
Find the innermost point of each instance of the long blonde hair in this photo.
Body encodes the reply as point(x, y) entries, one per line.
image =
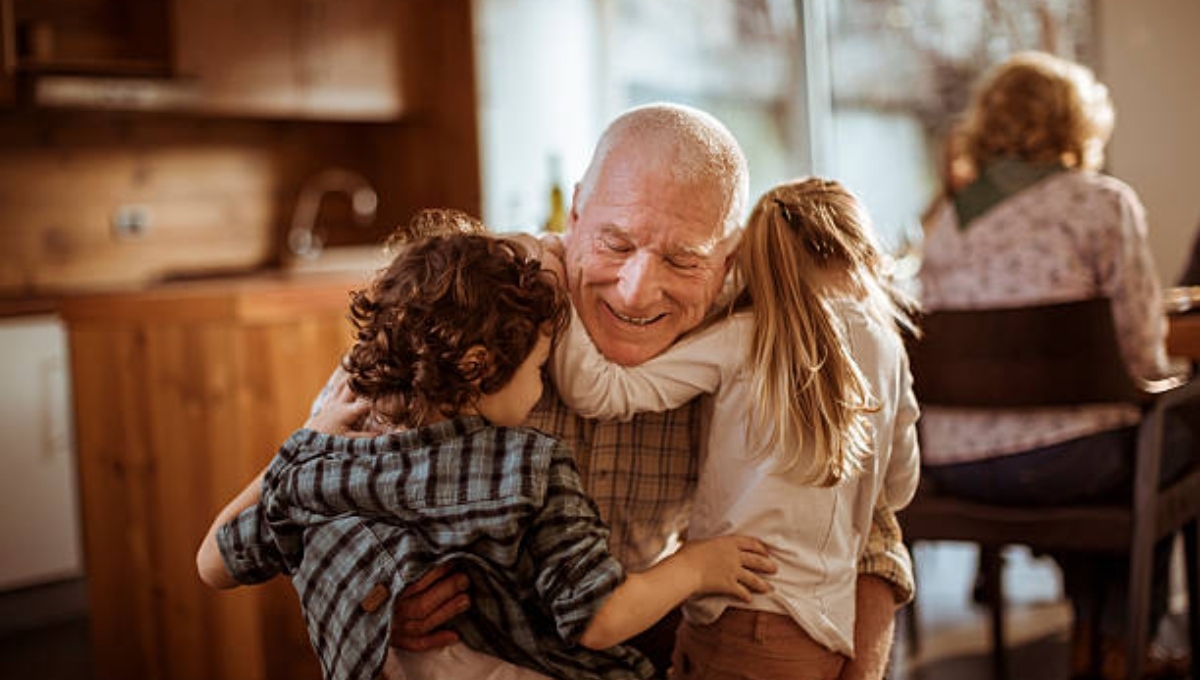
point(806, 243)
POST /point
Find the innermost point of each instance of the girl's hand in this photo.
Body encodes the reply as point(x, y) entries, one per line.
point(547, 249)
point(552, 257)
point(729, 565)
point(341, 412)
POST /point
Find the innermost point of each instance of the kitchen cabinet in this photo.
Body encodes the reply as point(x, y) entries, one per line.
point(182, 394)
point(285, 59)
point(8, 54)
point(45, 41)
point(318, 59)
point(37, 462)
point(126, 37)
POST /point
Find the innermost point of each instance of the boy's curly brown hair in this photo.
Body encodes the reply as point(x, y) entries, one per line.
point(442, 295)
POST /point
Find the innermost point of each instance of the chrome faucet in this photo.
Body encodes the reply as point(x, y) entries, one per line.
point(305, 239)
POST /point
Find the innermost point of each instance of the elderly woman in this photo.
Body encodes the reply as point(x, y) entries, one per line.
point(1034, 222)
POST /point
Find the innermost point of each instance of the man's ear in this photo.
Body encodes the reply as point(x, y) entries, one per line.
point(733, 243)
point(475, 363)
point(573, 216)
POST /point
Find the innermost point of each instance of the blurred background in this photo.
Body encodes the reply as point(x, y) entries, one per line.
point(188, 188)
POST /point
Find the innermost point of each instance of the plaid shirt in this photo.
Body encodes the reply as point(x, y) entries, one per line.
point(642, 474)
point(354, 521)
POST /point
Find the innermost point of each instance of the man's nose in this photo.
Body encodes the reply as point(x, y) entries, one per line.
point(640, 282)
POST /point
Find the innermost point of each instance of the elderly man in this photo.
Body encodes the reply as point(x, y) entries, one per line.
point(652, 229)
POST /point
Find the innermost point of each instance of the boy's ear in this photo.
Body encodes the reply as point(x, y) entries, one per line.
point(475, 363)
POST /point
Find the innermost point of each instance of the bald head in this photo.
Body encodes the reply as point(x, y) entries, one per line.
point(652, 228)
point(693, 147)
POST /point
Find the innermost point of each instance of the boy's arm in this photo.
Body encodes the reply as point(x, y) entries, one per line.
point(594, 387)
point(593, 600)
point(336, 410)
point(728, 565)
point(209, 563)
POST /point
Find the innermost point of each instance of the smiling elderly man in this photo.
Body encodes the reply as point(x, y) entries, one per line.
point(652, 228)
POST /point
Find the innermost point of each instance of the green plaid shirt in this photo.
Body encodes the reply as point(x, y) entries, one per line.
point(354, 521)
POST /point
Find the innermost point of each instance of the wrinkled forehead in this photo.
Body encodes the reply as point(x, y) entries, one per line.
point(691, 207)
point(677, 168)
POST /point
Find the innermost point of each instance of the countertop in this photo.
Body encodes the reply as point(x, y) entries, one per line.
point(319, 284)
point(266, 296)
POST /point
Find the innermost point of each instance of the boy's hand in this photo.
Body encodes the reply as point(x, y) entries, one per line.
point(729, 565)
point(341, 411)
point(437, 597)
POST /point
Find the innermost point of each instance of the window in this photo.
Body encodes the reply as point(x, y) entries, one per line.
point(862, 91)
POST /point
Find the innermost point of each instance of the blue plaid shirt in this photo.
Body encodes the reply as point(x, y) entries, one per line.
point(354, 521)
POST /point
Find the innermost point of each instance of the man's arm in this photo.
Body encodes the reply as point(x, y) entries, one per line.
point(885, 582)
point(874, 623)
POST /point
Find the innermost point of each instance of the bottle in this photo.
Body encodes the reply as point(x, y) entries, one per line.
point(556, 220)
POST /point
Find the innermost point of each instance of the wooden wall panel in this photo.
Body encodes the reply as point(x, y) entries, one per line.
point(219, 194)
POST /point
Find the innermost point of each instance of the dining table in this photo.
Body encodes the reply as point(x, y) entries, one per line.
point(1183, 322)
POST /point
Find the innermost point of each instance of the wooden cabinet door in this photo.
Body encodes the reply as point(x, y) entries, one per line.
point(317, 59)
point(243, 52)
point(8, 54)
point(349, 59)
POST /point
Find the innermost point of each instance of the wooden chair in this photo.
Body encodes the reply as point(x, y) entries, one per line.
point(1055, 355)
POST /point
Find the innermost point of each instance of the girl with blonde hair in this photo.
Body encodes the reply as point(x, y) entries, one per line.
point(813, 427)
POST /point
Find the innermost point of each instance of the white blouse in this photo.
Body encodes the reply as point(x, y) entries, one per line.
point(814, 534)
point(1072, 236)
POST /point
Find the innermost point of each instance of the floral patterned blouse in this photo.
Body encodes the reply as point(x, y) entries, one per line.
point(1071, 236)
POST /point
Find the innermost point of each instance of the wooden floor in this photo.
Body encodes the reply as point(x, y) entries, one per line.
point(956, 642)
point(955, 639)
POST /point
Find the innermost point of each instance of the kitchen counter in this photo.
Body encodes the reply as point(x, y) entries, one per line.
point(255, 297)
point(10, 307)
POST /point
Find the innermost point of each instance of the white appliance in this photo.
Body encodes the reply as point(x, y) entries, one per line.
point(39, 510)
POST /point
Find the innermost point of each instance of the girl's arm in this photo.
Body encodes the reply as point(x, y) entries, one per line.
point(728, 565)
point(595, 387)
point(904, 464)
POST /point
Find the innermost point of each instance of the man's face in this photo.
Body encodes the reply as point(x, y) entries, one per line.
point(644, 257)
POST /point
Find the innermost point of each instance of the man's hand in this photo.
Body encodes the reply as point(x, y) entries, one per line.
point(439, 596)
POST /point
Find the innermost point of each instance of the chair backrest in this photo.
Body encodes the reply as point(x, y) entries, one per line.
point(1047, 355)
